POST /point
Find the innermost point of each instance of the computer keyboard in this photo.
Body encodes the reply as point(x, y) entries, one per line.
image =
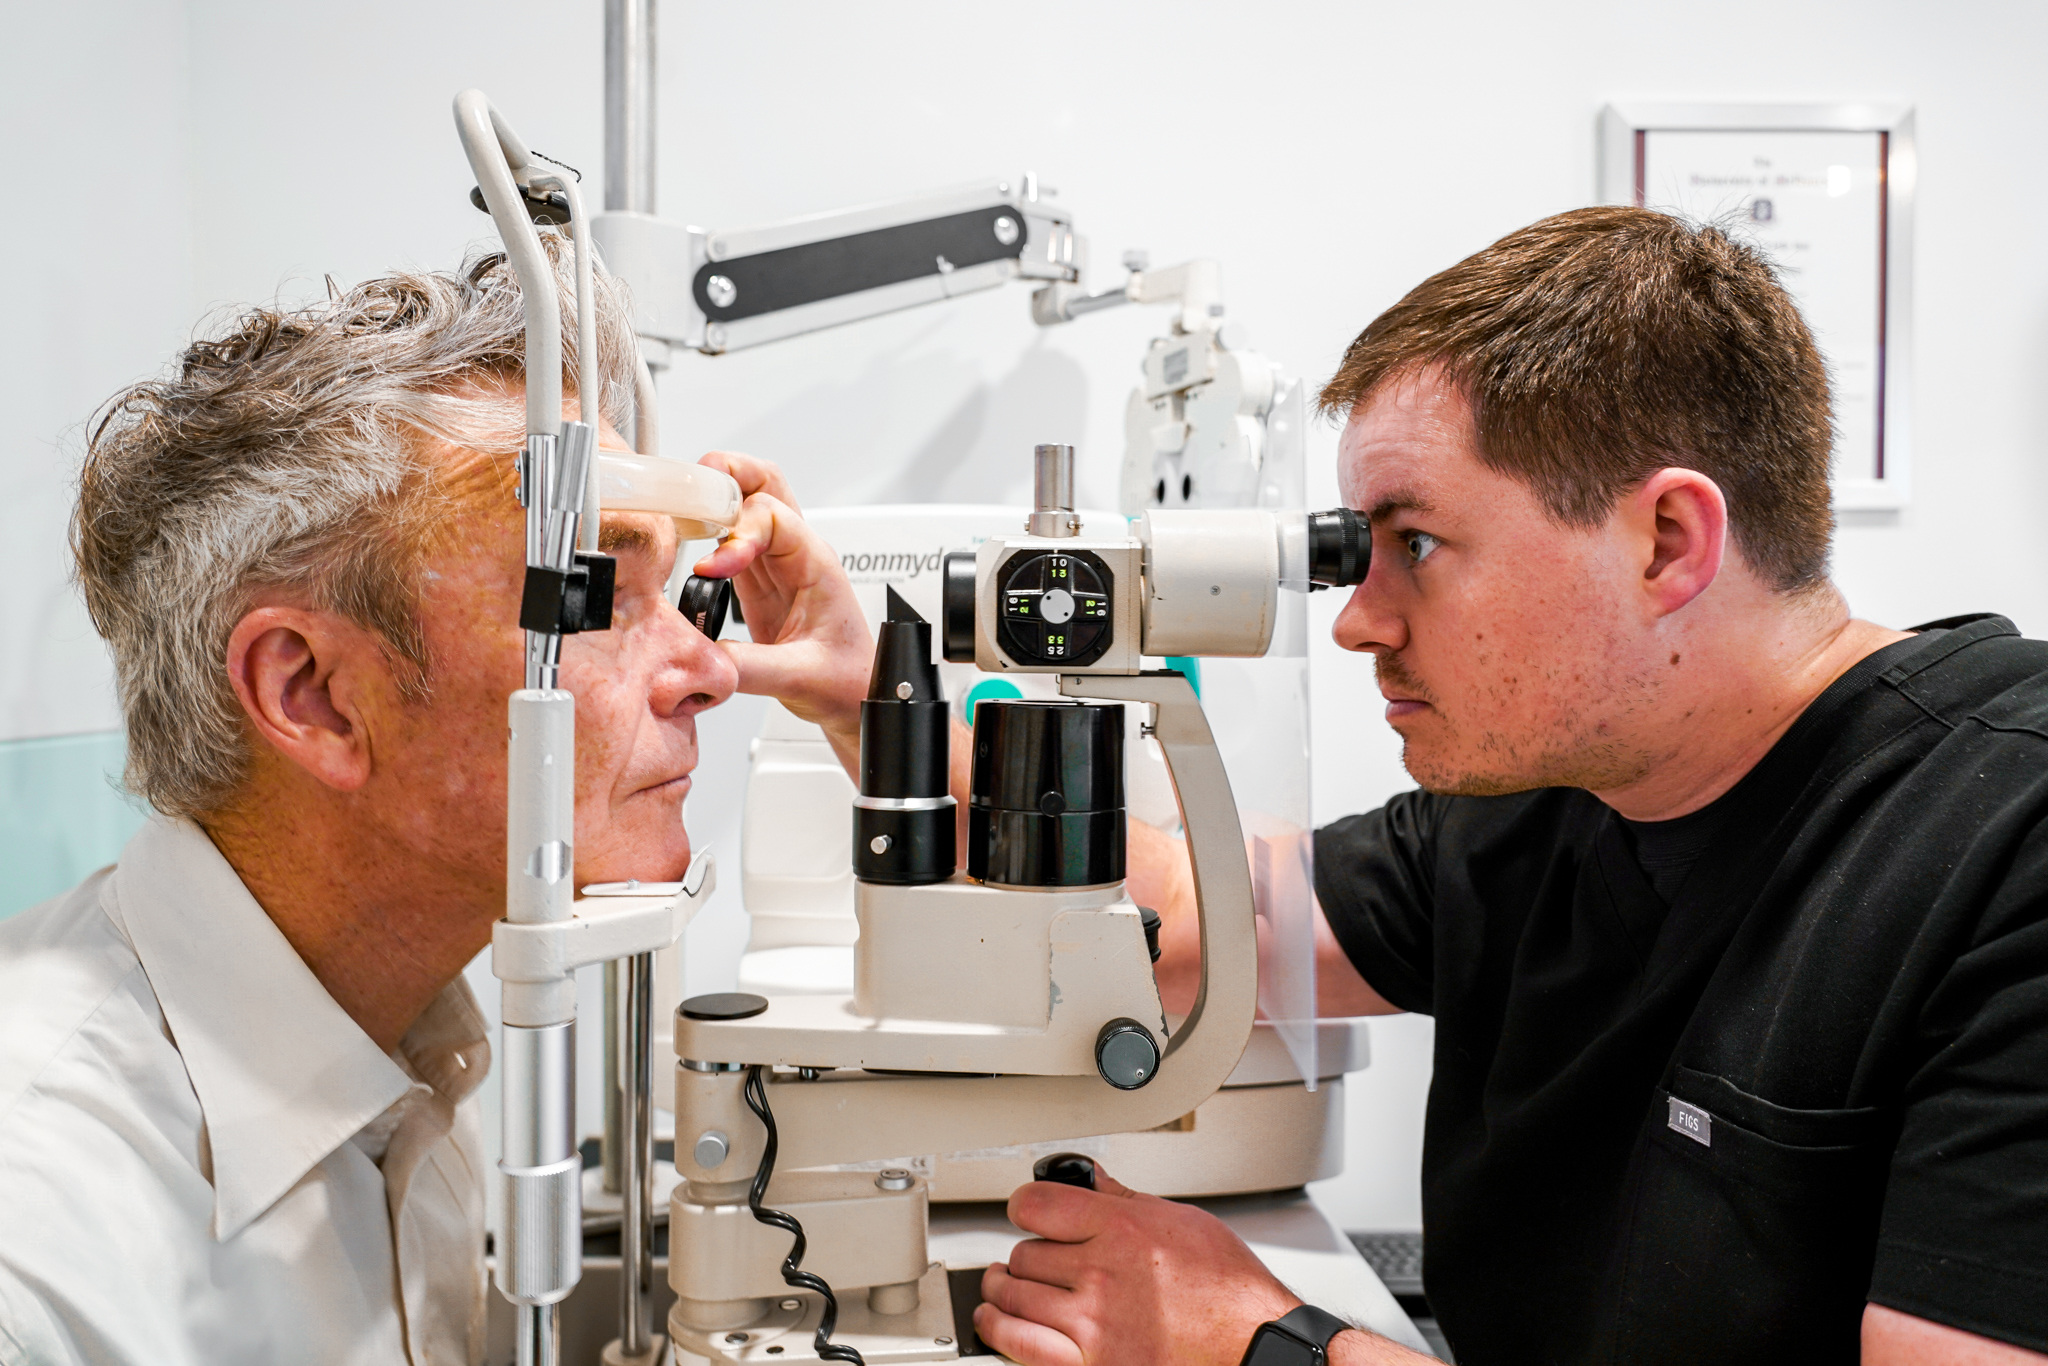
point(1396, 1258)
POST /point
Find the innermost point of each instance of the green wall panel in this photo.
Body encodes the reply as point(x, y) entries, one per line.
point(61, 814)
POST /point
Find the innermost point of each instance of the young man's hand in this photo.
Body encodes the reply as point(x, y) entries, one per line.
point(811, 649)
point(1118, 1276)
point(1115, 1275)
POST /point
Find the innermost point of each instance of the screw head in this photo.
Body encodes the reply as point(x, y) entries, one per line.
point(735, 1338)
point(942, 1342)
point(711, 1148)
point(1006, 230)
point(714, 336)
point(791, 1304)
point(880, 844)
point(903, 690)
point(721, 291)
point(893, 1179)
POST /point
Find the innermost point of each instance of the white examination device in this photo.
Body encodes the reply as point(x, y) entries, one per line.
point(1010, 1003)
point(547, 933)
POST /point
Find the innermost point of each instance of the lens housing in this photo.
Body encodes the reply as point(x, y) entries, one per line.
point(1047, 797)
point(706, 602)
point(956, 606)
point(1339, 548)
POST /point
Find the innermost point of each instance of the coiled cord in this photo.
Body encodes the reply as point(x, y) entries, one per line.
point(756, 1094)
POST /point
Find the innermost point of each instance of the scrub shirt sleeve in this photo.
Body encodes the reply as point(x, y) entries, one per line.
point(1375, 878)
point(1964, 1238)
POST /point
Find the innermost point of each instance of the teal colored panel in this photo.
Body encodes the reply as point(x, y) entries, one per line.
point(1190, 666)
point(61, 814)
point(986, 689)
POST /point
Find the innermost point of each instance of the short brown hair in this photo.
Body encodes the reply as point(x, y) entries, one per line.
point(285, 451)
point(1601, 345)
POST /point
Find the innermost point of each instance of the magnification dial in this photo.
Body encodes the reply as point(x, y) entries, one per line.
point(1055, 607)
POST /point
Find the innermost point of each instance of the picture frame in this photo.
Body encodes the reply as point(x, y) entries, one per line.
point(1827, 191)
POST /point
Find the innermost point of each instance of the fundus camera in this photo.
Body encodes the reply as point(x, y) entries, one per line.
point(1180, 583)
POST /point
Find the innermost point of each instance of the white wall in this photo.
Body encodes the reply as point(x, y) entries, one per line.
point(1329, 154)
point(97, 235)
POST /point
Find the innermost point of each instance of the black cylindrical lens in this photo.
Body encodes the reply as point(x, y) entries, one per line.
point(1047, 797)
point(904, 819)
point(1339, 547)
point(705, 602)
point(956, 606)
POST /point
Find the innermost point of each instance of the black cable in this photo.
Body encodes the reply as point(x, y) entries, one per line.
point(756, 1094)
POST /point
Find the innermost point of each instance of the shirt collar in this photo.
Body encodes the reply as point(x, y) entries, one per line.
point(283, 1075)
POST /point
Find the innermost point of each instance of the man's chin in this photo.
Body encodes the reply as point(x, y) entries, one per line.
point(1446, 776)
point(638, 853)
point(1440, 769)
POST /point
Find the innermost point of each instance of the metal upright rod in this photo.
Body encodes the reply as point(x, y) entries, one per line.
point(614, 1077)
point(629, 984)
point(636, 1156)
point(1052, 492)
point(629, 105)
point(538, 1338)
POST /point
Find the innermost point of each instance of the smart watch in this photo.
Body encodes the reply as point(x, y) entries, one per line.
point(1299, 1338)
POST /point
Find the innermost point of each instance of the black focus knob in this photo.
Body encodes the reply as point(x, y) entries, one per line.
point(1126, 1054)
point(1067, 1169)
point(724, 1005)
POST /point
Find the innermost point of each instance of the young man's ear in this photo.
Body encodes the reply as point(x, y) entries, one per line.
point(300, 676)
point(1682, 522)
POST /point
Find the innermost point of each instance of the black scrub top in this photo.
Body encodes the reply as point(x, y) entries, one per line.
point(1710, 1130)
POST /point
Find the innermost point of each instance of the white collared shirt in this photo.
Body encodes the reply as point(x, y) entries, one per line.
point(203, 1160)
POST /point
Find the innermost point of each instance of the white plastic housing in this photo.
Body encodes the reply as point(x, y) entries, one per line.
point(1212, 581)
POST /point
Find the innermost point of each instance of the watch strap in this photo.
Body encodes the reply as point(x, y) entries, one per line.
point(1312, 1325)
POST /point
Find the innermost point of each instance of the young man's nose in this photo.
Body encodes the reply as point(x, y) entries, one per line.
point(1368, 622)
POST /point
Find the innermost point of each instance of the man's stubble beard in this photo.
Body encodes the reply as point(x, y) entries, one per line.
point(1566, 750)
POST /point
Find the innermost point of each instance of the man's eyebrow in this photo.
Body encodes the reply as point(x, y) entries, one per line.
point(613, 537)
point(1399, 502)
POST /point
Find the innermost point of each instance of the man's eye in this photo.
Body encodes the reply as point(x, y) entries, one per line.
point(1421, 545)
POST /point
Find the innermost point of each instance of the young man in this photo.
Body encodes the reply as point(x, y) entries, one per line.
point(1732, 910)
point(237, 1070)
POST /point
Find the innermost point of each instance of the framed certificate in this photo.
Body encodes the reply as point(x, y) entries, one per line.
point(1826, 190)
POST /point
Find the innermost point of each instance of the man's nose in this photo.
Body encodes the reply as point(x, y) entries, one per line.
point(695, 675)
point(1369, 622)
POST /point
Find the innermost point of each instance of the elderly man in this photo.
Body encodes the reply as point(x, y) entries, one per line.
point(1732, 909)
point(237, 1069)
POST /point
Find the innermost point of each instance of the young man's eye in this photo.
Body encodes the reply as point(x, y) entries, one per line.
point(1421, 545)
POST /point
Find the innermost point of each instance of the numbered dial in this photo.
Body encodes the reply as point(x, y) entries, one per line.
point(1055, 607)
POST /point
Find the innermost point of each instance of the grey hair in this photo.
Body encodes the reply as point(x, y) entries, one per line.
point(286, 452)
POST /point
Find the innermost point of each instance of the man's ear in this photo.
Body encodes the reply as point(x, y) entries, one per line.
point(302, 678)
point(1682, 521)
